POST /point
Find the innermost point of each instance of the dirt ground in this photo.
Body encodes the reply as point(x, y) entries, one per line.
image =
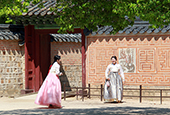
point(93, 106)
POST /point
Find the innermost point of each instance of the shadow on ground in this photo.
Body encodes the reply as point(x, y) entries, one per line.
point(93, 111)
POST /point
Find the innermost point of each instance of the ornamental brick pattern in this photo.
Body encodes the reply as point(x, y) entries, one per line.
point(12, 67)
point(164, 59)
point(71, 56)
point(144, 59)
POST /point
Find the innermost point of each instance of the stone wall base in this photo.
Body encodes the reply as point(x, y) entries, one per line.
point(25, 91)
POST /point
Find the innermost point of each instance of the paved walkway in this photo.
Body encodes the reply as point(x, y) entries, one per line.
point(25, 105)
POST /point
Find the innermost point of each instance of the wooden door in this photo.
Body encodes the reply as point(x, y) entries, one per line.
point(44, 56)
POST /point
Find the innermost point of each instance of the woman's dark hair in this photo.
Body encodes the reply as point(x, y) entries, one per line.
point(56, 57)
point(114, 57)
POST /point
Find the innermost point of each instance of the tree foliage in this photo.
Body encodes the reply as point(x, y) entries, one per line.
point(8, 7)
point(13, 8)
point(93, 13)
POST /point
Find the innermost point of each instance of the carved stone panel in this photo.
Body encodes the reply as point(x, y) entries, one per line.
point(127, 59)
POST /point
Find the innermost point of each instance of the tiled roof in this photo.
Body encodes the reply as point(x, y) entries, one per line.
point(139, 27)
point(66, 37)
point(12, 32)
point(36, 15)
point(35, 10)
point(39, 16)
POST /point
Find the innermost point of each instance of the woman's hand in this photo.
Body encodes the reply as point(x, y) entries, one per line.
point(108, 79)
point(61, 73)
point(123, 82)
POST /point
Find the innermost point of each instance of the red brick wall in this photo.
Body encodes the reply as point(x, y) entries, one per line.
point(145, 59)
point(10, 45)
point(70, 53)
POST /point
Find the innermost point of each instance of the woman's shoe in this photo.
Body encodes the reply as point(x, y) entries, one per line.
point(50, 106)
point(119, 101)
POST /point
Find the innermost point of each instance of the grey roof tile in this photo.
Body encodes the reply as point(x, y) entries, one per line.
point(143, 30)
point(93, 33)
point(35, 10)
point(165, 29)
point(157, 30)
point(12, 32)
point(102, 29)
point(168, 27)
point(138, 27)
point(109, 29)
point(150, 30)
point(121, 31)
point(2, 38)
point(129, 30)
point(66, 37)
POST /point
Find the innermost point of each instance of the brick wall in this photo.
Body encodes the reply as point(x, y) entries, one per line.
point(144, 59)
point(12, 65)
point(12, 68)
point(71, 62)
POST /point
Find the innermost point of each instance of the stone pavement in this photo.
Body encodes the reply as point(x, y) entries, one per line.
point(25, 105)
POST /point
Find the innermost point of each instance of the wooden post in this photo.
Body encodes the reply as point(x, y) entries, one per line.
point(77, 93)
point(31, 80)
point(89, 91)
point(161, 96)
point(101, 91)
point(140, 93)
point(82, 93)
point(26, 57)
point(83, 59)
point(64, 91)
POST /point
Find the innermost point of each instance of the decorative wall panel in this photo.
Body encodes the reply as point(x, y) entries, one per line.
point(127, 59)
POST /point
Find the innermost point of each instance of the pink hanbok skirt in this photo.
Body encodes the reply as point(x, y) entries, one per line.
point(50, 91)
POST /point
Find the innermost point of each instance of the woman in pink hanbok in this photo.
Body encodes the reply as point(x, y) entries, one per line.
point(50, 92)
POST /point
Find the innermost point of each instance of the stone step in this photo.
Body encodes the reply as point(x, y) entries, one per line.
point(26, 91)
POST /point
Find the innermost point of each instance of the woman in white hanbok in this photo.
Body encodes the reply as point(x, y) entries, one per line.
point(113, 88)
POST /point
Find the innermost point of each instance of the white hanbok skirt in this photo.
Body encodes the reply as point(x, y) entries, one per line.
point(113, 89)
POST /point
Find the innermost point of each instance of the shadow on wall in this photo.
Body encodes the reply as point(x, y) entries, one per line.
point(70, 53)
point(65, 48)
point(11, 52)
point(75, 51)
point(64, 80)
